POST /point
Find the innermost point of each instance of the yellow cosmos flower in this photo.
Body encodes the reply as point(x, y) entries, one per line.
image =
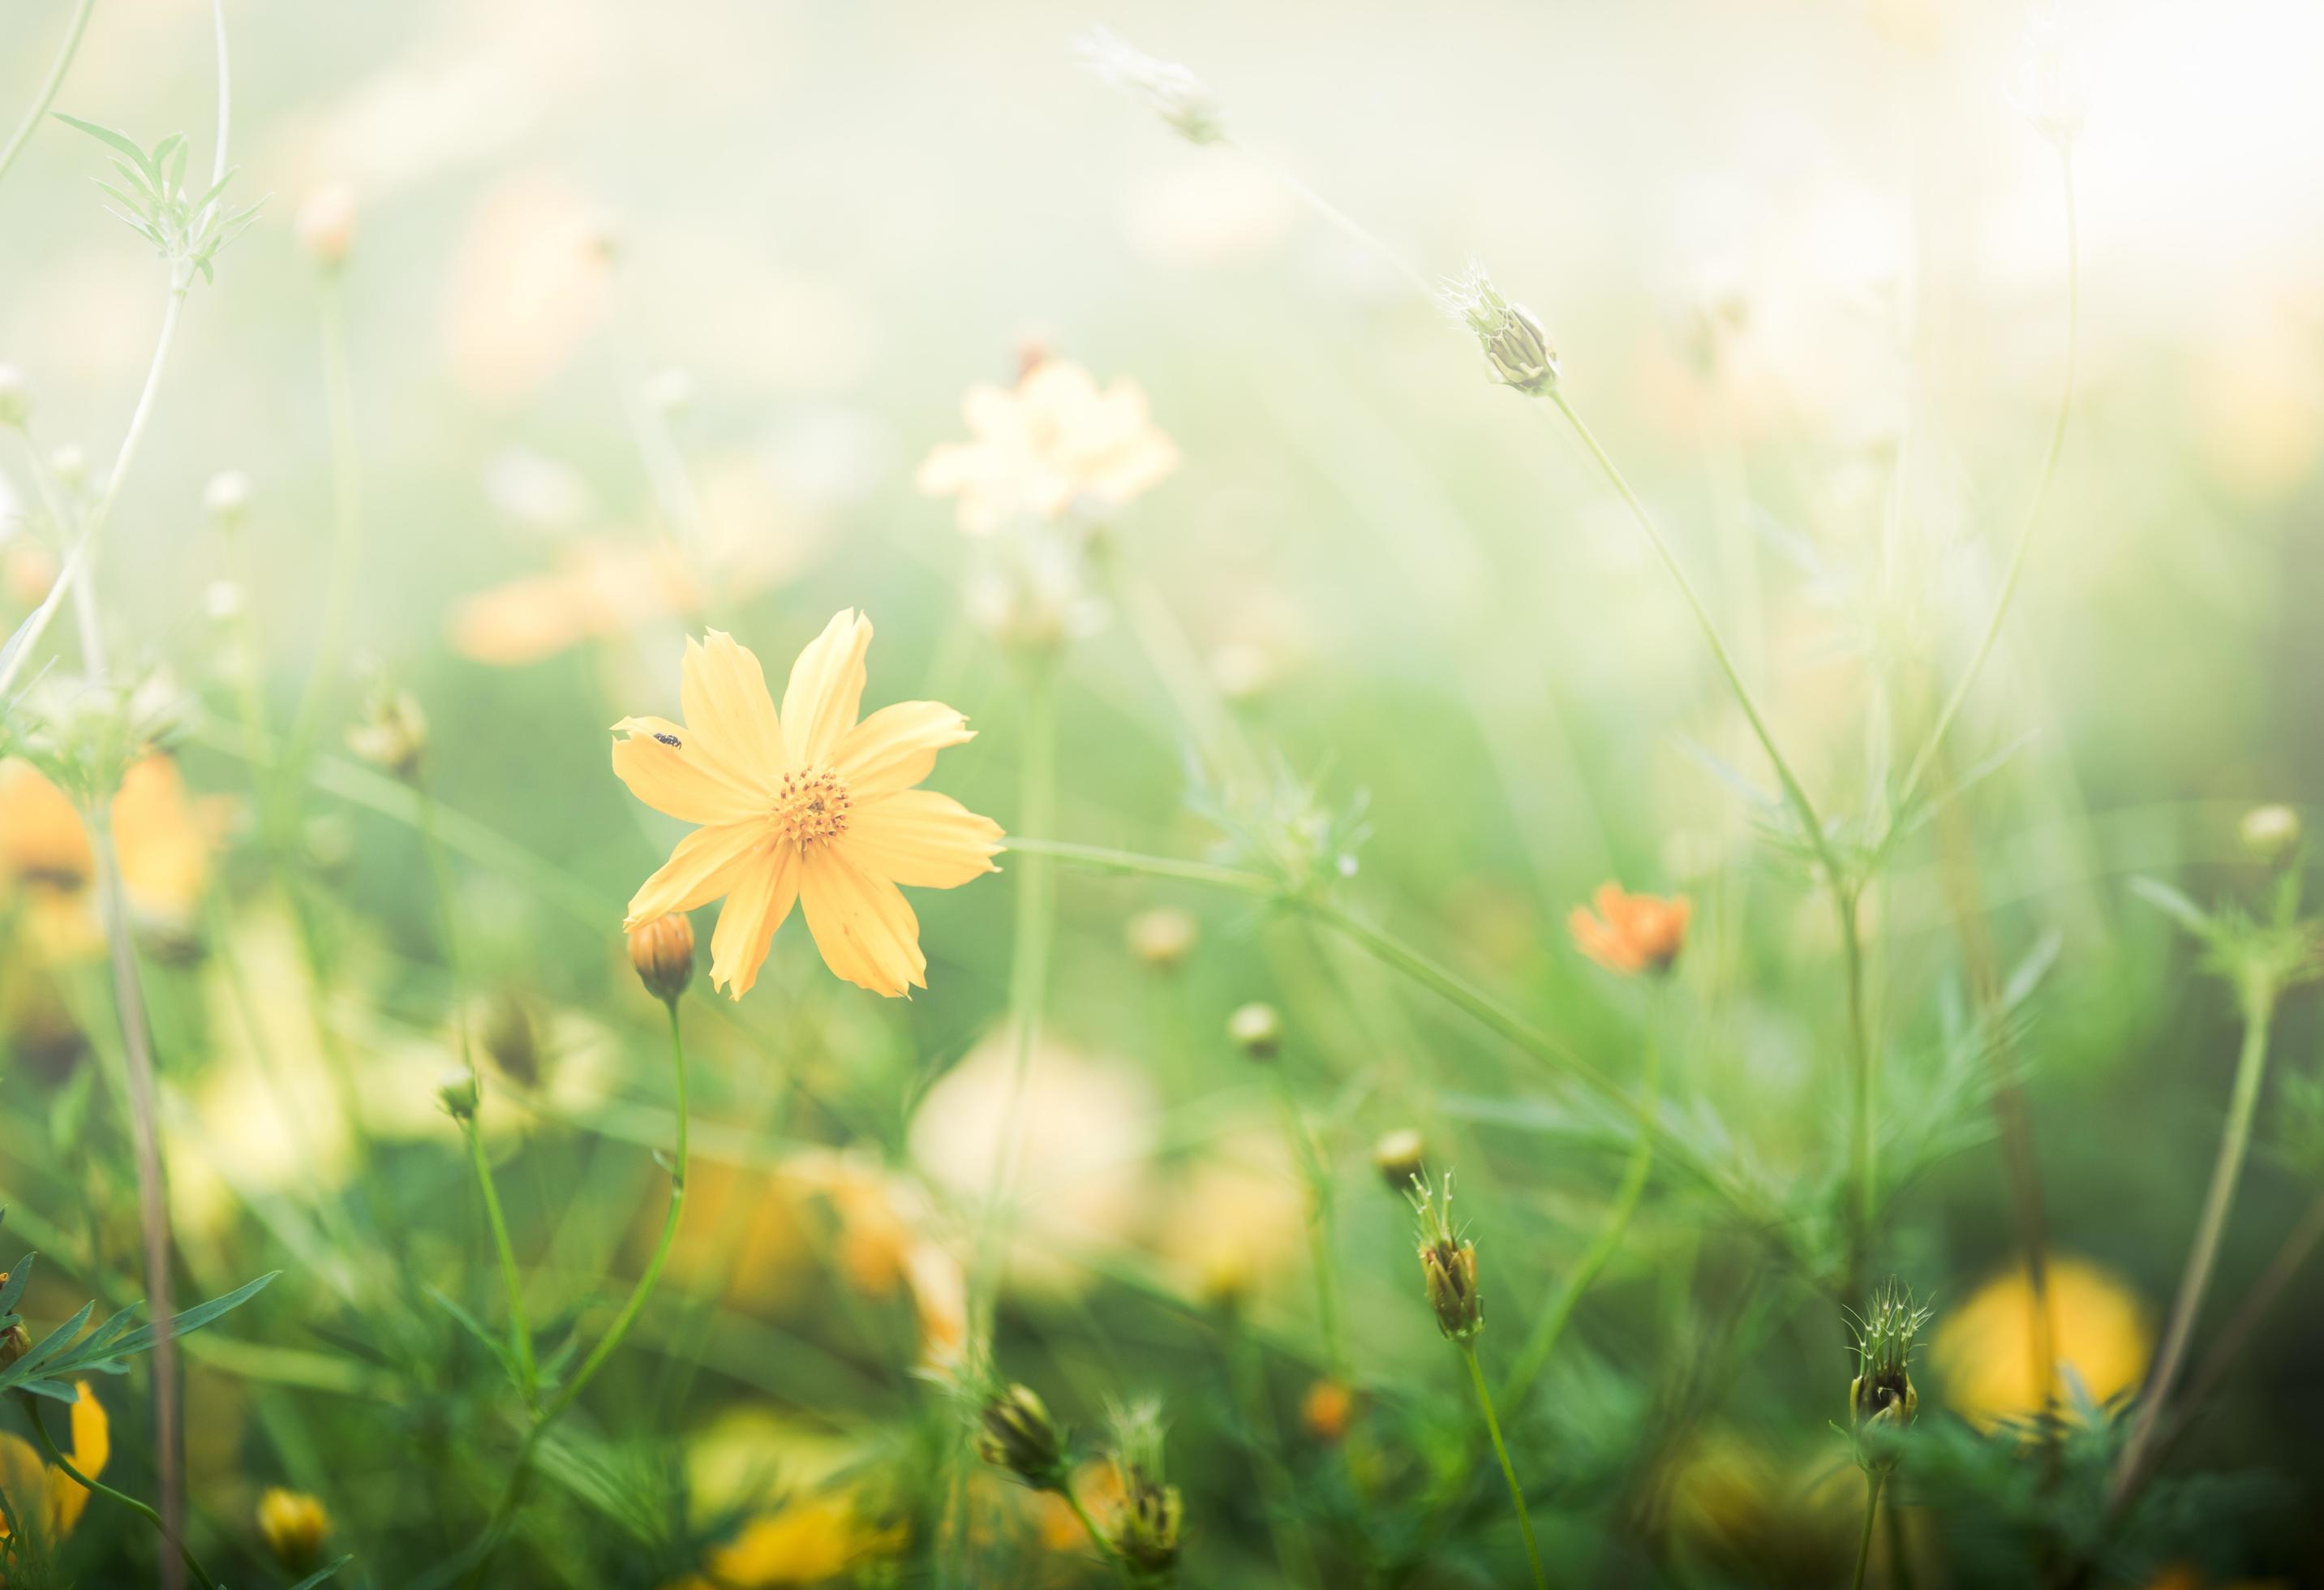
point(808, 805)
point(1049, 445)
point(43, 1495)
point(1988, 1356)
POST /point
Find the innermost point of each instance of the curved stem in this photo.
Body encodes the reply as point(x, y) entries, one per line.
point(1508, 1470)
point(1864, 1073)
point(1920, 764)
point(64, 1466)
point(1097, 1536)
point(48, 94)
point(2251, 1067)
point(1551, 1328)
point(512, 1280)
point(1873, 1483)
point(1794, 790)
point(78, 569)
point(1320, 1222)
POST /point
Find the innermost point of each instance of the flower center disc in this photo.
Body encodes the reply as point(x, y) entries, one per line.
point(810, 806)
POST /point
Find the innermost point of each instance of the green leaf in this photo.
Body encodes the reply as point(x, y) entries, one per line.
point(120, 140)
point(2172, 904)
point(475, 1328)
point(194, 1319)
point(319, 1575)
point(14, 1289)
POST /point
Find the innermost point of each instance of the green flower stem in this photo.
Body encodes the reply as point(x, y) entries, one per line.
point(496, 1527)
point(1097, 1536)
point(1919, 767)
point(49, 86)
point(1320, 1246)
point(1508, 1470)
point(1873, 1483)
point(1794, 790)
point(347, 531)
point(512, 1278)
point(2259, 995)
point(64, 1466)
point(77, 566)
point(153, 1190)
point(1292, 1550)
point(1550, 1327)
point(1865, 1083)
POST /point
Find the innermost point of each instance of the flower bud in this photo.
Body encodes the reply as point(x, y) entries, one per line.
point(1163, 936)
point(1324, 1409)
point(14, 1341)
point(69, 465)
point(1014, 1432)
point(1396, 1156)
point(325, 224)
point(1152, 1526)
point(1182, 100)
point(1881, 1399)
point(1515, 345)
point(227, 497)
point(393, 735)
point(2270, 833)
point(456, 1090)
point(1448, 1266)
point(662, 953)
point(511, 1039)
point(295, 1526)
point(15, 397)
point(1257, 1030)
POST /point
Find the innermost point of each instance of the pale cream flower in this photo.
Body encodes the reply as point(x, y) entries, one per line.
point(1053, 446)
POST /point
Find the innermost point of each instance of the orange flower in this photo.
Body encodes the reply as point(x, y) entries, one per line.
point(1324, 1409)
point(809, 806)
point(1632, 933)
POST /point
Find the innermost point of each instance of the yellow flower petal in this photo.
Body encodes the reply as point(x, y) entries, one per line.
point(664, 768)
point(867, 933)
point(920, 837)
point(760, 900)
point(92, 1448)
point(724, 693)
point(826, 686)
point(896, 747)
point(707, 863)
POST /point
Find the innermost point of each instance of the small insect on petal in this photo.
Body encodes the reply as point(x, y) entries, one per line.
point(667, 739)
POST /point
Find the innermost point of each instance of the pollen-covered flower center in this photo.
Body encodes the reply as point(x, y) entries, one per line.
point(810, 806)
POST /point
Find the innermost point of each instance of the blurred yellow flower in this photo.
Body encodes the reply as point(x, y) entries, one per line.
point(1084, 1133)
point(32, 1485)
point(1050, 446)
point(805, 1542)
point(294, 1526)
point(1236, 1224)
point(885, 1242)
point(166, 837)
point(811, 806)
point(600, 587)
point(1987, 1353)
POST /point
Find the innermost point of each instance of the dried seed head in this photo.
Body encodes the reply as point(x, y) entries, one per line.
point(1396, 1156)
point(15, 397)
point(1515, 345)
point(1448, 1265)
point(2049, 91)
point(662, 952)
point(1881, 1400)
point(1153, 1517)
point(1257, 1030)
point(1163, 937)
point(2270, 833)
point(325, 224)
point(1182, 100)
point(295, 1525)
point(1014, 1432)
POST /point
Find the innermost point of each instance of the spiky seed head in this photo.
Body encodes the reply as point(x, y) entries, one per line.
point(1448, 1264)
point(1881, 1399)
point(662, 952)
point(1257, 1030)
point(1182, 100)
point(1152, 1524)
point(1014, 1432)
point(294, 1525)
point(1516, 348)
point(1397, 1156)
